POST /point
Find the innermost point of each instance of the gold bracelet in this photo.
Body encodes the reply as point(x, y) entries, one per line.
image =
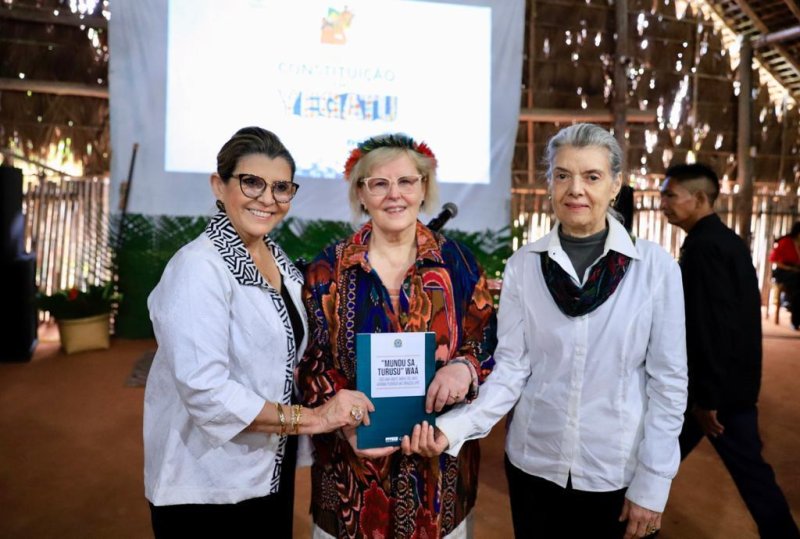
point(281, 418)
point(297, 416)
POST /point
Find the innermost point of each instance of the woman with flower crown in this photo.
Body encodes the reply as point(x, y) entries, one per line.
point(394, 275)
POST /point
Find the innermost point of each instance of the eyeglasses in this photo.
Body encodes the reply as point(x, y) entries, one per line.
point(380, 187)
point(254, 186)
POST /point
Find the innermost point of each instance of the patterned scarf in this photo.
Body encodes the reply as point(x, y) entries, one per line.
point(603, 280)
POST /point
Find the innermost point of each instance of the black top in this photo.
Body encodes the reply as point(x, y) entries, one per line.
point(723, 317)
point(294, 316)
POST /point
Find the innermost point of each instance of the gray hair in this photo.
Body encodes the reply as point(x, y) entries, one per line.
point(583, 135)
point(580, 136)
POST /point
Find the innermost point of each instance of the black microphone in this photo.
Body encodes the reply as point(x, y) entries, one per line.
point(449, 210)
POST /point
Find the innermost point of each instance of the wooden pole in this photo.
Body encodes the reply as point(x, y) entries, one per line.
point(54, 87)
point(621, 82)
point(45, 16)
point(531, 82)
point(744, 147)
point(591, 115)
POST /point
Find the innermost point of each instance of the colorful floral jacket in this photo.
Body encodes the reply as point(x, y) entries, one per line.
point(445, 292)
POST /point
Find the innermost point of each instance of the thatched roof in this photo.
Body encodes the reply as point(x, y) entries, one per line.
point(54, 81)
point(682, 86)
point(567, 74)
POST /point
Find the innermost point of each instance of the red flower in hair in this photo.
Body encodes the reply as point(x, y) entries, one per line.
point(355, 155)
point(72, 294)
point(424, 149)
point(396, 140)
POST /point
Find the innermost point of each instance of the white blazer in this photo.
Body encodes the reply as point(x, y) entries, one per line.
point(224, 349)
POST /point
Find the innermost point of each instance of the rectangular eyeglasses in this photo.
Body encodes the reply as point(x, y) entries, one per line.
point(380, 187)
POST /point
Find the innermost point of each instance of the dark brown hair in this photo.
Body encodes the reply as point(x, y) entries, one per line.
point(247, 141)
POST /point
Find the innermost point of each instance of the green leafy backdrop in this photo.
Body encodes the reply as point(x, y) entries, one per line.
point(146, 243)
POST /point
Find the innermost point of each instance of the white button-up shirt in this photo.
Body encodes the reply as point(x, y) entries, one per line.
point(225, 348)
point(599, 397)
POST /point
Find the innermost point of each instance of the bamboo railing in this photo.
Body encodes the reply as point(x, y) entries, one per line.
point(67, 226)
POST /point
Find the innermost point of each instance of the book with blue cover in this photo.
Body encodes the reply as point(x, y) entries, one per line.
point(394, 370)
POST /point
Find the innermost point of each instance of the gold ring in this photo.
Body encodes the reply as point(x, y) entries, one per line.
point(356, 413)
point(651, 530)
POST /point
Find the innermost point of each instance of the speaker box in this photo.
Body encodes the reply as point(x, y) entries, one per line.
point(10, 212)
point(18, 333)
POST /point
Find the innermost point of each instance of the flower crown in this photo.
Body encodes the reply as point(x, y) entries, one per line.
point(397, 140)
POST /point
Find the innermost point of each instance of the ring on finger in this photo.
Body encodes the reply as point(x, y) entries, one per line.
point(357, 413)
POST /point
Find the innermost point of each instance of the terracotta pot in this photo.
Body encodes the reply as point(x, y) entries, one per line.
point(79, 334)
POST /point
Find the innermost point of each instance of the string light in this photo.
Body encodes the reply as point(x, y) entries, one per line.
point(675, 112)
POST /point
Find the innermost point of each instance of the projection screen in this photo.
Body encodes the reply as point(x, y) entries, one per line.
point(323, 75)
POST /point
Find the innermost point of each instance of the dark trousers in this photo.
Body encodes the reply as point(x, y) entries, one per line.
point(272, 514)
point(541, 509)
point(791, 285)
point(739, 447)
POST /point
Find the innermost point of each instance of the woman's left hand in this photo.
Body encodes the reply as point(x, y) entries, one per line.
point(449, 386)
point(375, 453)
point(641, 522)
point(425, 440)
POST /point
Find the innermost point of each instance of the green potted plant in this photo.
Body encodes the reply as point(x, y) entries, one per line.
point(83, 316)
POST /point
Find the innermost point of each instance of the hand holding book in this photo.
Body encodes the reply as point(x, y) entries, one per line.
point(425, 440)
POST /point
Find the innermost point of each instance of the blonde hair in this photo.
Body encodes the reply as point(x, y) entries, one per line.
point(380, 156)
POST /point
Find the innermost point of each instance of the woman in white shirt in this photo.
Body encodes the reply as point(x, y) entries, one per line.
point(591, 355)
point(220, 426)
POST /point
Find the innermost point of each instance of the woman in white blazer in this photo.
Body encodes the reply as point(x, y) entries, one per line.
point(220, 419)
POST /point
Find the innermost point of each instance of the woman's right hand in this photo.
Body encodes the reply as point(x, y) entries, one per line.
point(345, 408)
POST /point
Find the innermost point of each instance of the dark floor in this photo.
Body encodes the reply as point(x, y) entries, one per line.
point(71, 452)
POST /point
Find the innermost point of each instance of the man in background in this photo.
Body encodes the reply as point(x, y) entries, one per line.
point(723, 338)
point(785, 258)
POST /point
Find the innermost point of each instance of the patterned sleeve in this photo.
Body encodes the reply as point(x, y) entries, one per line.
point(317, 376)
point(479, 322)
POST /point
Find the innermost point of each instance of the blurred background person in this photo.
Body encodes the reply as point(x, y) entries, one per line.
point(785, 258)
point(723, 337)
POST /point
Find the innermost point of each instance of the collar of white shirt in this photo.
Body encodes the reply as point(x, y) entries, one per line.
point(618, 240)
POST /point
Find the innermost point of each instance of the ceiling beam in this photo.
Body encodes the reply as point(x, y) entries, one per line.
point(64, 17)
point(777, 37)
point(793, 8)
point(595, 115)
point(759, 25)
point(754, 18)
point(54, 87)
